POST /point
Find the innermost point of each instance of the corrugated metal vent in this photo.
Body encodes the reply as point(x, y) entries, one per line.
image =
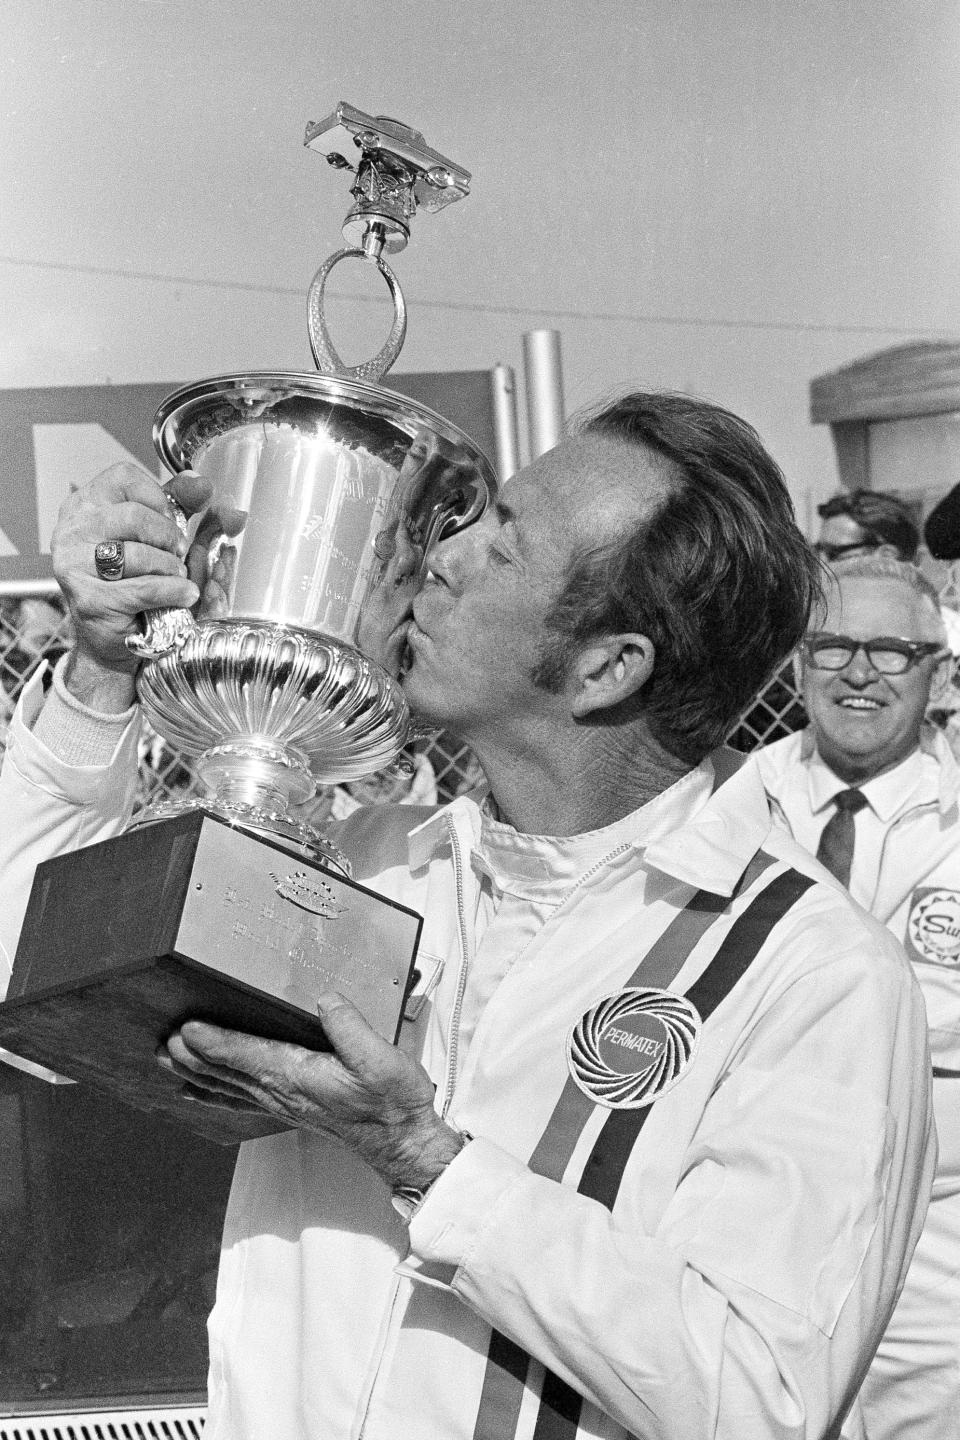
point(167, 1424)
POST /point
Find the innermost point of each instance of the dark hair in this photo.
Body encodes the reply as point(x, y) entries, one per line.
point(719, 577)
point(942, 528)
point(884, 519)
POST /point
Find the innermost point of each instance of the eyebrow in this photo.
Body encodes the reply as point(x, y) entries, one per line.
point(505, 513)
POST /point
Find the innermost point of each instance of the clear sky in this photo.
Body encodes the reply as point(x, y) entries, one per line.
point(725, 197)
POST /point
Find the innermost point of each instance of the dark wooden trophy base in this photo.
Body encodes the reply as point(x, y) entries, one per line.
point(191, 919)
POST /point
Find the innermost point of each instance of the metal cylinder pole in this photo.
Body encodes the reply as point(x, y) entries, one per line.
point(544, 380)
point(15, 589)
point(503, 395)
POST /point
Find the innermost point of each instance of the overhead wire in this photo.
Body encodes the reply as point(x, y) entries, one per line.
point(477, 307)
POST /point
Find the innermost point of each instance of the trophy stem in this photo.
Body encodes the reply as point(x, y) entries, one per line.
point(248, 770)
point(253, 783)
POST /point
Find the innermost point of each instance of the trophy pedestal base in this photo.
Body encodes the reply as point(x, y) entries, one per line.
point(192, 919)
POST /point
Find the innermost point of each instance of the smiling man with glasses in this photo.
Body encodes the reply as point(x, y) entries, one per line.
point(873, 792)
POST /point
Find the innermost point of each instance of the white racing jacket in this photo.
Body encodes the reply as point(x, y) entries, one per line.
point(719, 1263)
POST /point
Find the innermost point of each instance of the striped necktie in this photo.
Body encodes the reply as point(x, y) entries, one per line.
point(835, 850)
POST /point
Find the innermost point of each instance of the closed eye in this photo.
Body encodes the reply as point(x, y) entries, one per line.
point(506, 545)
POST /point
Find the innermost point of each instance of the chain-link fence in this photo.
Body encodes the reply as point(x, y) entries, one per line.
point(36, 627)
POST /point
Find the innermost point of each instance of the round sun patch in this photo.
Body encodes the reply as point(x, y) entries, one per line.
point(933, 927)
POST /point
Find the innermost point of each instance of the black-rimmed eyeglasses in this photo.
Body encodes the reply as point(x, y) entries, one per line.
point(888, 654)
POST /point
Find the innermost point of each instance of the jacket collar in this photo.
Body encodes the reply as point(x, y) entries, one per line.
point(711, 850)
point(714, 849)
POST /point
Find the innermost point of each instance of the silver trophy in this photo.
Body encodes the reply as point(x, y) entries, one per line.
point(327, 493)
point(280, 681)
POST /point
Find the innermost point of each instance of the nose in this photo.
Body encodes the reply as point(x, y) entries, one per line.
point(859, 670)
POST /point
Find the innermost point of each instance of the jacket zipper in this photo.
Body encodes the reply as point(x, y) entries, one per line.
point(588, 875)
point(453, 1032)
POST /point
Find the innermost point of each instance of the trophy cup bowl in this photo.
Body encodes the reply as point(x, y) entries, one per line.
point(278, 681)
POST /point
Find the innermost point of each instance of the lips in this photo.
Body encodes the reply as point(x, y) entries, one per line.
point(414, 623)
point(415, 637)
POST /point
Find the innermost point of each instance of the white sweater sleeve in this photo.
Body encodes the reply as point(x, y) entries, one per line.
point(48, 805)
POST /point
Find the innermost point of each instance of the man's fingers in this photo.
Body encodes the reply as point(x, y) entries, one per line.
point(204, 1087)
point(142, 559)
point(177, 1060)
point(202, 1062)
point(267, 1074)
point(220, 519)
point(83, 523)
point(132, 520)
point(190, 491)
point(126, 503)
point(220, 1100)
point(210, 1049)
point(130, 597)
point(126, 481)
point(160, 592)
point(229, 1053)
point(356, 1043)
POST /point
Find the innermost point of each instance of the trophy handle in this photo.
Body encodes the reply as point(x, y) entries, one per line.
point(167, 629)
point(325, 355)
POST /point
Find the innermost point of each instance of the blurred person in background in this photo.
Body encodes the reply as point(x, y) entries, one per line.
point(872, 791)
point(941, 530)
point(860, 522)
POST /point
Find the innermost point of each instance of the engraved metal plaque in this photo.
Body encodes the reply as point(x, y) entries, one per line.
point(193, 919)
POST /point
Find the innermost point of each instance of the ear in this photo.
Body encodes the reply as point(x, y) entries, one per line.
point(608, 671)
point(940, 680)
point(797, 662)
